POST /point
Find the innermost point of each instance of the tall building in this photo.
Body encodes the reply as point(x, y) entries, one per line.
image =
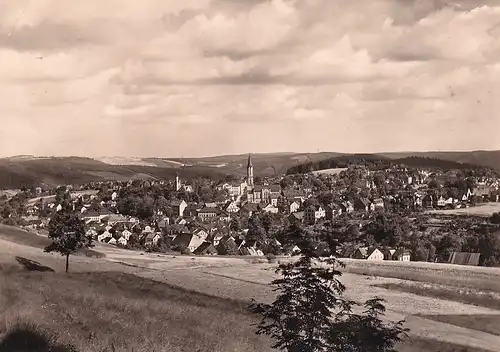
point(250, 172)
point(178, 184)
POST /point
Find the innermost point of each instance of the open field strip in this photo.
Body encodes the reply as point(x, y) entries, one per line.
point(486, 209)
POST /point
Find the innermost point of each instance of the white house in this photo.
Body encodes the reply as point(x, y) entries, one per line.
point(103, 236)
point(441, 202)
point(294, 206)
point(123, 241)
point(402, 255)
point(368, 254)
point(270, 208)
point(126, 234)
point(231, 207)
point(152, 239)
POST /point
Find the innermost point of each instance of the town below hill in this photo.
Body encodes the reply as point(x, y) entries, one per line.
point(29, 171)
point(366, 211)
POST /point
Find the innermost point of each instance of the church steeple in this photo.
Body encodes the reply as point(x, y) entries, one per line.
point(178, 183)
point(250, 171)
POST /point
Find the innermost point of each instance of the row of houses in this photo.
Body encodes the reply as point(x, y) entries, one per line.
point(378, 254)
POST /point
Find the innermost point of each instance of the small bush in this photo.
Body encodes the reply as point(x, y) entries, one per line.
point(28, 337)
point(93, 254)
point(271, 258)
point(186, 251)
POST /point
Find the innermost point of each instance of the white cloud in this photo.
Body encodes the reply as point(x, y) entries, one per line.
point(175, 76)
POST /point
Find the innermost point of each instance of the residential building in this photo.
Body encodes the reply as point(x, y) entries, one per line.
point(179, 206)
point(103, 236)
point(402, 255)
point(363, 204)
point(231, 207)
point(332, 211)
point(123, 241)
point(294, 206)
point(270, 208)
point(206, 248)
point(152, 239)
point(190, 241)
point(206, 213)
point(441, 202)
point(378, 203)
point(347, 207)
point(274, 199)
point(368, 253)
point(313, 213)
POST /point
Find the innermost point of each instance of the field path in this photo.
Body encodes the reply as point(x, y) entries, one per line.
point(238, 279)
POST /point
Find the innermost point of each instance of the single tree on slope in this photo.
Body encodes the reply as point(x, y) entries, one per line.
point(67, 232)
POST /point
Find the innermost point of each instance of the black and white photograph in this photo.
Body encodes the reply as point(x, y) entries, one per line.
point(250, 175)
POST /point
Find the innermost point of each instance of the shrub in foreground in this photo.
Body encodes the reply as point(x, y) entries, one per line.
point(310, 313)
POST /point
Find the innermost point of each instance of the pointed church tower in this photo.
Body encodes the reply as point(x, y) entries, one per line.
point(250, 171)
point(177, 182)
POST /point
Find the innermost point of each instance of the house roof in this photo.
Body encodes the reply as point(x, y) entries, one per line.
point(367, 251)
point(401, 251)
point(298, 215)
point(209, 210)
point(250, 207)
point(275, 188)
point(205, 247)
point(293, 193)
point(364, 201)
point(333, 206)
point(464, 258)
point(151, 235)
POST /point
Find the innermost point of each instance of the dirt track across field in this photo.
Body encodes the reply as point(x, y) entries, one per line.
point(237, 278)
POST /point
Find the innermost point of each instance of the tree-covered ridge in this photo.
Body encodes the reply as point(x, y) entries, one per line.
point(374, 161)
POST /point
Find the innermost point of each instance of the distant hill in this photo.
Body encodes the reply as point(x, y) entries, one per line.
point(429, 162)
point(375, 160)
point(28, 172)
point(341, 161)
point(270, 164)
point(488, 158)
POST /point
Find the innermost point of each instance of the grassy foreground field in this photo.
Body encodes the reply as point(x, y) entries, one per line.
point(180, 303)
point(111, 311)
point(94, 311)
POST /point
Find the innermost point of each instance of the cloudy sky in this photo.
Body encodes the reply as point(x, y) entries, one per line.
point(204, 77)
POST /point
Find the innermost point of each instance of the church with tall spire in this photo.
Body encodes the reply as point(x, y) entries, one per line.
point(250, 173)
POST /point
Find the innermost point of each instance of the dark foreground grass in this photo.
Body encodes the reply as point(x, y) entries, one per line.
point(476, 298)
point(108, 311)
point(484, 323)
point(112, 311)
